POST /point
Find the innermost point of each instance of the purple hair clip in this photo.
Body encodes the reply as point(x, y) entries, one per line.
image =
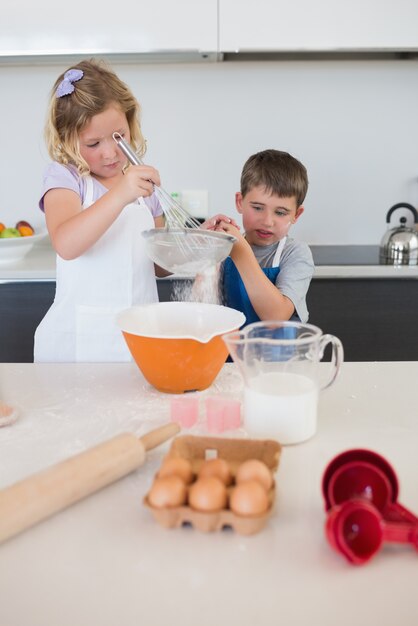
point(66, 85)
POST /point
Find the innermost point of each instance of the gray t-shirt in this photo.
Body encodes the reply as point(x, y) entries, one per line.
point(296, 271)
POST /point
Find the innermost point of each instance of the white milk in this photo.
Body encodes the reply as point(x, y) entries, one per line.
point(281, 406)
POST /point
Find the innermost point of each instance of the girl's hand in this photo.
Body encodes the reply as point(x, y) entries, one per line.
point(213, 223)
point(138, 181)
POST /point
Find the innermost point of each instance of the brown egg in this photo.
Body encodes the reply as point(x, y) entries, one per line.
point(249, 499)
point(208, 495)
point(176, 466)
point(253, 469)
point(219, 468)
point(167, 492)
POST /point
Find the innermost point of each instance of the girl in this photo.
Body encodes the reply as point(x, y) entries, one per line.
point(96, 207)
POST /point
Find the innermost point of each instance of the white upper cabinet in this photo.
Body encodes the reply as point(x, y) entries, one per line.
point(133, 26)
point(317, 25)
point(165, 27)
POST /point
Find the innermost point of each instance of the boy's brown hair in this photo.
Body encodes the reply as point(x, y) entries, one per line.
point(278, 172)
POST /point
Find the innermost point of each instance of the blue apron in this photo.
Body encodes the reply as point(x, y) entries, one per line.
point(234, 291)
point(236, 297)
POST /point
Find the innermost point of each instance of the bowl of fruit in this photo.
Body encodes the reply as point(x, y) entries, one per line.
point(17, 241)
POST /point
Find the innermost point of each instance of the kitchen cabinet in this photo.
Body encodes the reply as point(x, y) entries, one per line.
point(88, 29)
point(375, 318)
point(322, 25)
point(205, 29)
point(22, 306)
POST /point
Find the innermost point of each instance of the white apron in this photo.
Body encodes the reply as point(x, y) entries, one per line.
point(112, 275)
point(278, 255)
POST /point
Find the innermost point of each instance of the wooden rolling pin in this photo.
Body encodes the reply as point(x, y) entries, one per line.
point(33, 499)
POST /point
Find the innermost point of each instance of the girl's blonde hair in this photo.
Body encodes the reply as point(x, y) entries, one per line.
point(93, 93)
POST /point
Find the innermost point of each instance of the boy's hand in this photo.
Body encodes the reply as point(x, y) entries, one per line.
point(225, 224)
point(241, 246)
point(213, 223)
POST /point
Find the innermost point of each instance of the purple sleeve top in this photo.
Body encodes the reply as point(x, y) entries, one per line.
point(58, 176)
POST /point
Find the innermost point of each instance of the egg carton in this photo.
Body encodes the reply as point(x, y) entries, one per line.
point(235, 451)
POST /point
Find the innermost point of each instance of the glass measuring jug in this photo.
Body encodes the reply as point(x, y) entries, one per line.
point(279, 365)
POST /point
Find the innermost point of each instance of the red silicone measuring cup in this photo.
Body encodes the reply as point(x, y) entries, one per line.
point(365, 474)
point(357, 530)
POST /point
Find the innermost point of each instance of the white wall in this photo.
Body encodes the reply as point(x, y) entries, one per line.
point(354, 124)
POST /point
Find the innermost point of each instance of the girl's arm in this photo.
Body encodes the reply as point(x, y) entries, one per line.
point(268, 302)
point(73, 230)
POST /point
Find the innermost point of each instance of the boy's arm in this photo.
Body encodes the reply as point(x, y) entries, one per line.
point(267, 300)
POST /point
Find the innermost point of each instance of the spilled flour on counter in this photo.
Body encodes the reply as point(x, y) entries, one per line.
point(204, 288)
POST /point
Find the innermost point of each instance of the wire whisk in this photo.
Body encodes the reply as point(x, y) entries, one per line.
point(176, 216)
point(182, 247)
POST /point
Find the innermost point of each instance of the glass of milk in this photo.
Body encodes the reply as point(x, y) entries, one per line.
point(279, 362)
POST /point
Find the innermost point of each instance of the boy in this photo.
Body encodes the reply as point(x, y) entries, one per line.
point(267, 274)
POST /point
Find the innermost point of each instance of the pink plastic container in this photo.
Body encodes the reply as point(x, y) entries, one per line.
point(222, 414)
point(185, 411)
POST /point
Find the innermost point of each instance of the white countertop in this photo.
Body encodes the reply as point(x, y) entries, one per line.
point(366, 271)
point(39, 265)
point(106, 562)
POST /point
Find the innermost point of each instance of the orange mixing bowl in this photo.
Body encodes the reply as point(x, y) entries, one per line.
point(178, 346)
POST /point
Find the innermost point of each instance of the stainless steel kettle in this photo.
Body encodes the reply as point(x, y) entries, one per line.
point(399, 245)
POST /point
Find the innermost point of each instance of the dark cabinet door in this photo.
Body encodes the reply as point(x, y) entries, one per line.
point(22, 307)
point(376, 319)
